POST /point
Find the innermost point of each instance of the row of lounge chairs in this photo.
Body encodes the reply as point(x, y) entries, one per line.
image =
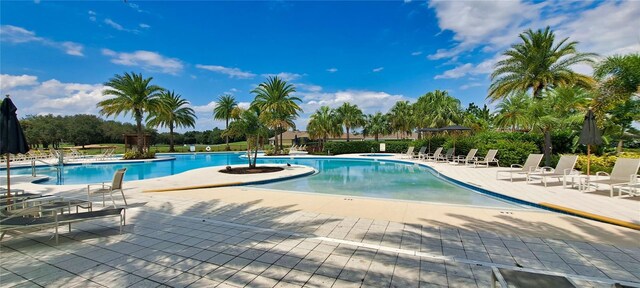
point(623, 177)
point(450, 157)
point(53, 154)
point(27, 212)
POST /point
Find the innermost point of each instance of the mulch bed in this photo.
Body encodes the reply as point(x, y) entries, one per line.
point(247, 170)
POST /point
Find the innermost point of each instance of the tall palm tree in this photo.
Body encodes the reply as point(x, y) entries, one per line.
point(351, 116)
point(437, 109)
point(539, 63)
point(513, 112)
point(132, 94)
point(619, 79)
point(376, 125)
point(401, 117)
point(249, 125)
point(223, 111)
point(174, 113)
point(324, 123)
point(276, 105)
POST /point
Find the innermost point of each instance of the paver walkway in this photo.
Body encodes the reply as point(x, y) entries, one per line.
point(172, 242)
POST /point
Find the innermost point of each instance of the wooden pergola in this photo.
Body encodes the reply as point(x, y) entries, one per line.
point(131, 140)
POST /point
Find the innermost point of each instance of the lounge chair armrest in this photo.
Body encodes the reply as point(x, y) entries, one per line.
point(546, 169)
point(602, 173)
point(516, 166)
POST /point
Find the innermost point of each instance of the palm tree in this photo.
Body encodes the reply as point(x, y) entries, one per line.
point(324, 123)
point(175, 113)
point(133, 94)
point(249, 125)
point(376, 125)
point(351, 116)
point(538, 63)
point(223, 111)
point(513, 111)
point(619, 79)
point(437, 109)
point(400, 117)
point(276, 105)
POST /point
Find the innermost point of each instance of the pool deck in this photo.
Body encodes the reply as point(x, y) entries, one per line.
point(246, 236)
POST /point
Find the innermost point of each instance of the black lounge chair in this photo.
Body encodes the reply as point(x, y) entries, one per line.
point(27, 223)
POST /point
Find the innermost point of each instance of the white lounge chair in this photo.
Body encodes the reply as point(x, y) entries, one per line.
point(466, 159)
point(421, 153)
point(447, 156)
point(435, 155)
point(632, 188)
point(623, 172)
point(486, 160)
point(530, 166)
point(563, 169)
point(116, 185)
point(409, 153)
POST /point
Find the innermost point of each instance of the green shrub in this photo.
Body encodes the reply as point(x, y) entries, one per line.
point(463, 145)
point(135, 155)
point(602, 163)
point(509, 152)
point(336, 148)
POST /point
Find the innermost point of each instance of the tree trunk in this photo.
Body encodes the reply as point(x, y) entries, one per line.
point(227, 136)
point(171, 146)
point(619, 147)
point(324, 140)
point(347, 133)
point(249, 151)
point(547, 148)
point(281, 146)
point(140, 132)
point(255, 153)
point(376, 136)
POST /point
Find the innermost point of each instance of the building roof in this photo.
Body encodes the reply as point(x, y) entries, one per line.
point(290, 135)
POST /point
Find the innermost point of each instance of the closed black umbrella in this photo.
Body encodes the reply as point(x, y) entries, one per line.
point(590, 135)
point(12, 140)
point(429, 130)
point(454, 128)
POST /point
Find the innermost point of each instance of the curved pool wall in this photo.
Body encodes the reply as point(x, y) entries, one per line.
point(375, 178)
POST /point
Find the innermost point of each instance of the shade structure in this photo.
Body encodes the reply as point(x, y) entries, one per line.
point(12, 140)
point(429, 130)
point(590, 135)
point(454, 128)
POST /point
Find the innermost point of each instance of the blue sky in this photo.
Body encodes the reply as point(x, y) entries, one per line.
point(56, 55)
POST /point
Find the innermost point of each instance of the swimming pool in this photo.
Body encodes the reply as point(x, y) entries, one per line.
point(343, 176)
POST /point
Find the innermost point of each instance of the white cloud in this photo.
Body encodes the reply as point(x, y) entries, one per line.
point(92, 15)
point(229, 71)
point(144, 26)
point(52, 96)
point(286, 76)
point(484, 67)
point(368, 101)
point(148, 60)
point(377, 69)
point(416, 53)
point(308, 87)
point(205, 108)
point(470, 85)
point(332, 70)
point(119, 27)
point(19, 35)
point(8, 82)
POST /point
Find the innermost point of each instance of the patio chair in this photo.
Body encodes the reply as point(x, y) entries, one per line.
point(116, 185)
point(623, 172)
point(409, 153)
point(563, 169)
point(466, 159)
point(435, 155)
point(447, 156)
point(632, 188)
point(19, 222)
point(421, 153)
point(530, 166)
point(488, 159)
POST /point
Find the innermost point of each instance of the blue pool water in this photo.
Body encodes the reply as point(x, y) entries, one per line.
point(352, 177)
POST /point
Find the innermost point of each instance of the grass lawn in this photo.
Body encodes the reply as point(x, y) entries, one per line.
point(163, 148)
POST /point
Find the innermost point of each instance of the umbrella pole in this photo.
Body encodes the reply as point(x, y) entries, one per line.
point(8, 180)
point(588, 160)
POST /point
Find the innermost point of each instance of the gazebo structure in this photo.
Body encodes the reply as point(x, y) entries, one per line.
point(131, 140)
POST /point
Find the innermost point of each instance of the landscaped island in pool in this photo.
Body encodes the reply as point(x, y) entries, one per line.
point(343, 176)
